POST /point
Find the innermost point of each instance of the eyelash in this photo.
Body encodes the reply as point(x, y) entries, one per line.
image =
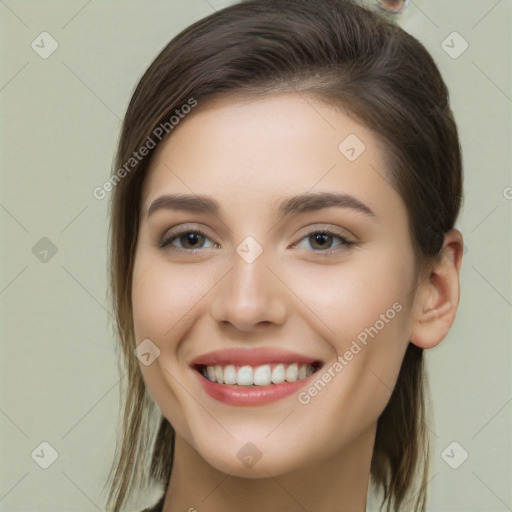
point(165, 243)
point(176, 234)
point(345, 244)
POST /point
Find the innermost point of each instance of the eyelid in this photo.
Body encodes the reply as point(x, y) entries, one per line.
point(175, 231)
point(327, 228)
point(345, 244)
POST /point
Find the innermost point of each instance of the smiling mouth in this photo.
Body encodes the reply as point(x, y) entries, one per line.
point(262, 375)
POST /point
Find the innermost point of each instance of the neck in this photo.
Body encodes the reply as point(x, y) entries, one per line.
point(339, 483)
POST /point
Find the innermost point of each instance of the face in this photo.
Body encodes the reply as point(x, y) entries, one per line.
point(300, 307)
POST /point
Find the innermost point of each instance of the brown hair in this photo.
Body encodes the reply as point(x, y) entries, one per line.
point(384, 78)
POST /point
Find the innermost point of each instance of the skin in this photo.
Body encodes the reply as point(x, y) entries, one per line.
point(249, 154)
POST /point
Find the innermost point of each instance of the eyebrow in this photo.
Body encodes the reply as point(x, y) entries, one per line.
point(292, 205)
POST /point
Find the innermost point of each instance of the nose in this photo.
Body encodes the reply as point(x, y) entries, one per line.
point(249, 295)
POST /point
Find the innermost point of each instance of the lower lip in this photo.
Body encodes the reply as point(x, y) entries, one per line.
point(250, 395)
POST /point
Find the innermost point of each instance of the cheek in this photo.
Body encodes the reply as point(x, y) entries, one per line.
point(163, 296)
point(365, 305)
point(351, 296)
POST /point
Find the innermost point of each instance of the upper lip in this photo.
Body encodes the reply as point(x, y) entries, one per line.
point(251, 357)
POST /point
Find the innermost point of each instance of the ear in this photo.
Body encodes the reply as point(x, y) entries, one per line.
point(437, 295)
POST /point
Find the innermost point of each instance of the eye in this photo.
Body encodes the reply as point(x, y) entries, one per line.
point(189, 240)
point(323, 239)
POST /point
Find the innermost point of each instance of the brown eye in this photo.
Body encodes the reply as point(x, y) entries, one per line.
point(187, 239)
point(191, 240)
point(322, 241)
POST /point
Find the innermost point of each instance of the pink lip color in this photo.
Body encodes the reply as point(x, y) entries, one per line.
point(251, 395)
point(251, 357)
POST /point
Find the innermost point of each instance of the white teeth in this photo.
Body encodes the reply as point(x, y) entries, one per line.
point(210, 372)
point(219, 375)
point(262, 375)
point(292, 372)
point(229, 374)
point(278, 374)
point(244, 376)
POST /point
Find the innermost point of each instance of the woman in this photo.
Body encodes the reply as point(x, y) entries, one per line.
point(283, 249)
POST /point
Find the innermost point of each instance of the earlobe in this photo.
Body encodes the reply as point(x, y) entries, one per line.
point(437, 297)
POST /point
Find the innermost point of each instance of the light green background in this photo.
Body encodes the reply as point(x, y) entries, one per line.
point(60, 120)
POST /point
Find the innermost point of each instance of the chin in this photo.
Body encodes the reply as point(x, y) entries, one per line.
point(252, 462)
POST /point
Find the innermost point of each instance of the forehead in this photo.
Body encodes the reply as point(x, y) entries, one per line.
point(261, 149)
